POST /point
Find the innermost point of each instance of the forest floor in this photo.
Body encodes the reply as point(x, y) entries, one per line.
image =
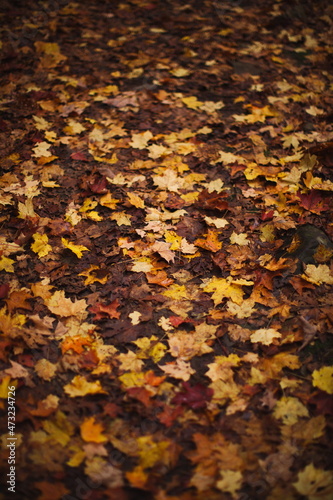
point(166, 271)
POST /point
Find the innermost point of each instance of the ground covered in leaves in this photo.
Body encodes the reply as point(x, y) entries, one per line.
point(166, 249)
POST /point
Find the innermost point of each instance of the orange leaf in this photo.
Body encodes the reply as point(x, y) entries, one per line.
point(211, 242)
point(91, 431)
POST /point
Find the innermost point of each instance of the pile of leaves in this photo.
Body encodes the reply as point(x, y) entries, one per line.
point(166, 268)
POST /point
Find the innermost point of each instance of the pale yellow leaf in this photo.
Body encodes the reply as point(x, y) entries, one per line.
point(323, 379)
point(265, 336)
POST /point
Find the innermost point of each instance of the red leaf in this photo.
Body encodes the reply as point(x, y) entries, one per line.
point(141, 394)
point(99, 186)
point(102, 311)
point(178, 320)
point(169, 415)
point(313, 201)
point(212, 201)
point(79, 156)
point(323, 403)
point(195, 396)
point(4, 289)
point(267, 215)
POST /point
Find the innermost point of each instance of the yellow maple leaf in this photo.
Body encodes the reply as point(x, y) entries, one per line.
point(79, 386)
point(218, 223)
point(6, 264)
point(42, 149)
point(210, 242)
point(257, 115)
point(314, 111)
point(158, 150)
point(77, 456)
point(40, 245)
point(58, 434)
point(169, 181)
point(265, 336)
point(180, 369)
point(92, 275)
point(72, 216)
point(318, 274)
point(315, 484)
point(176, 292)
point(290, 409)
point(77, 249)
point(133, 379)
point(227, 158)
point(179, 72)
point(60, 428)
point(91, 431)
point(135, 200)
point(130, 361)
point(26, 209)
point(45, 369)
point(221, 369)
point(88, 204)
point(142, 265)
point(150, 348)
point(173, 238)
point(73, 127)
point(224, 390)
point(122, 218)
point(59, 305)
point(239, 239)
point(107, 201)
point(323, 379)
point(192, 102)
point(244, 310)
point(41, 123)
point(215, 185)
point(257, 376)
point(140, 141)
point(226, 288)
point(152, 452)
point(231, 482)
